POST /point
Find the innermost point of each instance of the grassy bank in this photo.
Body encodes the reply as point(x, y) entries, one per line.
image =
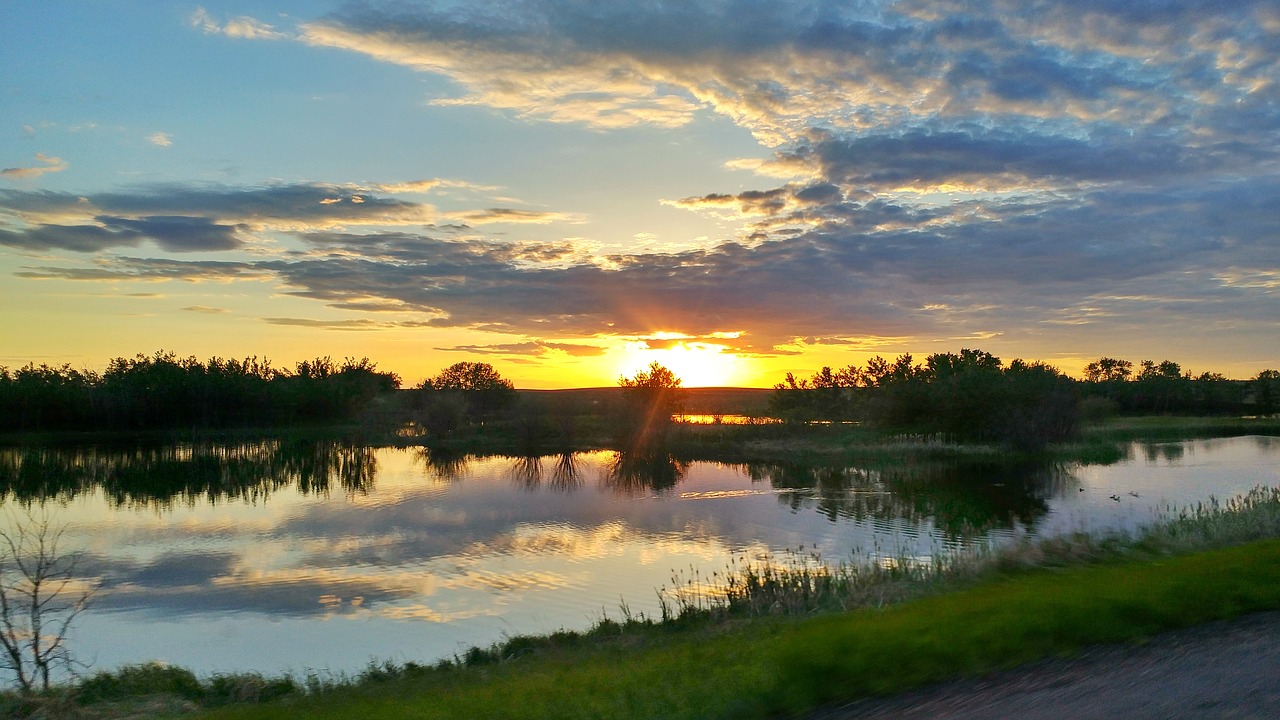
point(769, 645)
point(778, 667)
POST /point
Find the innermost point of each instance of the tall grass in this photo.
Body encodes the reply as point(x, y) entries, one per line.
point(803, 584)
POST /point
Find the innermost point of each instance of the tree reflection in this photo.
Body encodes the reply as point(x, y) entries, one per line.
point(444, 465)
point(565, 475)
point(1168, 452)
point(634, 473)
point(526, 470)
point(960, 497)
point(162, 475)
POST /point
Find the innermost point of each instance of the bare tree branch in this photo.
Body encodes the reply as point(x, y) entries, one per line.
point(39, 592)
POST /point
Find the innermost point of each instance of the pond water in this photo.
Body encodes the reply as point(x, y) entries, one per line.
point(288, 557)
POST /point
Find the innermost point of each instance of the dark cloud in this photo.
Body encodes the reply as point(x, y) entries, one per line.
point(150, 269)
point(178, 233)
point(173, 233)
point(1003, 157)
point(77, 238)
point(291, 206)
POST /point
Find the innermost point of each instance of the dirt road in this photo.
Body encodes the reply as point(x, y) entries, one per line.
point(1222, 670)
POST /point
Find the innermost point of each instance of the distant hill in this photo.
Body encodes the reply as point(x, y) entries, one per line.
point(698, 401)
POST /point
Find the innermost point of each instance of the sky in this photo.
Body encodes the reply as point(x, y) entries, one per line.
point(569, 190)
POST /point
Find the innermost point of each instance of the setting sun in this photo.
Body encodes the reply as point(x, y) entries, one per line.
point(697, 364)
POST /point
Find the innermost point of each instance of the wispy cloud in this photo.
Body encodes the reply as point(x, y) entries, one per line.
point(49, 164)
point(241, 27)
point(160, 139)
point(360, 324)
point(532, 348)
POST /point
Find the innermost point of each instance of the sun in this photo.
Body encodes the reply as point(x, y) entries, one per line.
point(697, 364)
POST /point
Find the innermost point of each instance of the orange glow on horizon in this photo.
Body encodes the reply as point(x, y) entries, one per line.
point(697, 364)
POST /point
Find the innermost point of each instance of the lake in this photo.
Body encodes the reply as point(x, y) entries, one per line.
point(287, 557)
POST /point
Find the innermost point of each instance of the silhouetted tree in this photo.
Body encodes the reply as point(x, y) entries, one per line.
point(486, 392)
point(1108, 370)
point(968, 395)
point(827, 395)
point(462, 394)
point(651, 398)
point(1266, 391)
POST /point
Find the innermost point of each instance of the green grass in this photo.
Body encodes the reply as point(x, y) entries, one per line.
point(777, 667)
point(1169, 428)
point(1018, 620)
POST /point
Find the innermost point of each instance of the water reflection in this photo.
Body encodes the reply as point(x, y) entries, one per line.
point(443, 465)
point(565, 474)
point(1168, 452)
point(960, 497)
point(643, 472)
point(340, 553)
point(138, 476)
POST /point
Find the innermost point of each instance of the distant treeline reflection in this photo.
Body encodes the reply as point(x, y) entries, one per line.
point(959, 496)
point(184, 473)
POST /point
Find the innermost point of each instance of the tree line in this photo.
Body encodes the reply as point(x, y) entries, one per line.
point(973, 396)
point(1164, 387)
point(164, 391)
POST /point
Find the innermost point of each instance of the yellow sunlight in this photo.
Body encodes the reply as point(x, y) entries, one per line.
point(696, 364)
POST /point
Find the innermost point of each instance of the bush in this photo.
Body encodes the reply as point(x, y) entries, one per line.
point(140, 680)
point(248, 687)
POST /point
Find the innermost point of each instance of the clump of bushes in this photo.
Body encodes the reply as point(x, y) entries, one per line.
point(151, 679)
point(970, 396)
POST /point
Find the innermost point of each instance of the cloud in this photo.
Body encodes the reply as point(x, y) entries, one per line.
point(781, 68)
point(51, 165)
point(212, 218)
point(206, 310)
point(952, 168)
point(295, 206)
point(510, 215)
point(863, 268)
point(361, 324)
point(118, 269)
point(160, 139)
point(172, 233)
point(532, 348)
point(427, 186)
point(241, 27)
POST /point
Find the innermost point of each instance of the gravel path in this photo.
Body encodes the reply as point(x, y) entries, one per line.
point(1220, 670)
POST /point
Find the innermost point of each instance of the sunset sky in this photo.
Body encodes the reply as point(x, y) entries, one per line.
point(571, 189)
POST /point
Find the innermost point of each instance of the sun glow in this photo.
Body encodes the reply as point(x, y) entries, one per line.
point(697, 364)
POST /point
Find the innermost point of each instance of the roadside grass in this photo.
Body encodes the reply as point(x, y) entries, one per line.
point(778, 666)
point(1016, 620)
